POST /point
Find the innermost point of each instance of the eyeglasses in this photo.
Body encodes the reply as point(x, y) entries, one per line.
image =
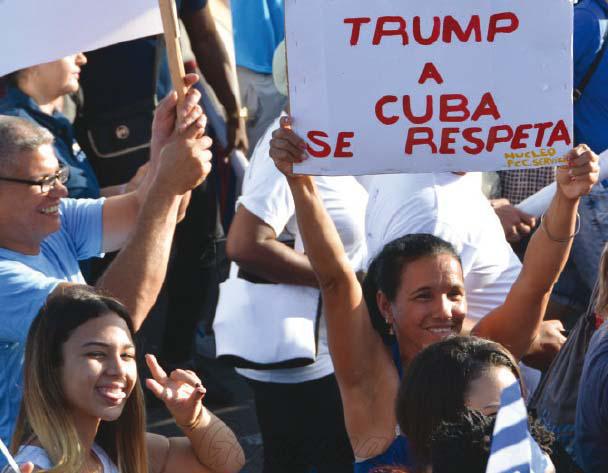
point(46, 183)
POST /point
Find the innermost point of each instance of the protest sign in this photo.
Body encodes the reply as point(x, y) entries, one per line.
point(38, 31)
point(408, 86)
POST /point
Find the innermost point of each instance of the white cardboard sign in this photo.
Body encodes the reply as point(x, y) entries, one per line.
point(390, 86)
point(38, 31)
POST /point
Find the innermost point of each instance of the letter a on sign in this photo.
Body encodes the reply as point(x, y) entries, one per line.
point(430, 72)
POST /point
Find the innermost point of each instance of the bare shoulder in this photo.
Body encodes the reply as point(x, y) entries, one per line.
point(158, 452)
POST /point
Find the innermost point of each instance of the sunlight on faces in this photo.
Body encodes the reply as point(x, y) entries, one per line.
point(31, 215)
point(56, 78)
point(99, 369)
point(430, 304)
point(484, 392)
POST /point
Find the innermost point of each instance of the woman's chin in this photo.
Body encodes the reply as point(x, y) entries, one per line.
point(111, 414)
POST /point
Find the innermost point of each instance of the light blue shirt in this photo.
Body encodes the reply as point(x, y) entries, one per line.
point(25, 283)
point(258, 27)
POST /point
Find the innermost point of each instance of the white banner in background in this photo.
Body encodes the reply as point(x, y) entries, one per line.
point(409, 86)
point(38, 31)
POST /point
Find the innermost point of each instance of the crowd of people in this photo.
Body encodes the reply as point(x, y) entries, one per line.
point(428, 298)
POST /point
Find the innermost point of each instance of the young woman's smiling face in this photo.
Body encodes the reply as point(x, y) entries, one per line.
point(99, 369)
point(430, 303)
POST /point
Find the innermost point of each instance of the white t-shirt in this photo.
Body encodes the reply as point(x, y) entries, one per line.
point(266, 194)
point(453, 208)
point(40, 459)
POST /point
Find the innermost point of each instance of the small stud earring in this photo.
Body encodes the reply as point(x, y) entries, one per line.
point(391, 331)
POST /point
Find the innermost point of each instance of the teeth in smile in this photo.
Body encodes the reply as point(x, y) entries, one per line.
point(50, 210)
point(440, 330)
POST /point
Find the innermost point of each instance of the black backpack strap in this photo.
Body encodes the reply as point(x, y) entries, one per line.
point(578, 91)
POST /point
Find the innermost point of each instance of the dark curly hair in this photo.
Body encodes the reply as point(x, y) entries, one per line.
point(384, 272)
point(464, 444)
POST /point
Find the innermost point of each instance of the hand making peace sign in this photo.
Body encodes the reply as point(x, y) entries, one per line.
point(181, 392)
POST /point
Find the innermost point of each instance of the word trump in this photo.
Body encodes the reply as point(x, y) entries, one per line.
point(443, 29)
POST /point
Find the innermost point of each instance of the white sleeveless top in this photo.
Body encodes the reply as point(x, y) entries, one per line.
point(37, 455)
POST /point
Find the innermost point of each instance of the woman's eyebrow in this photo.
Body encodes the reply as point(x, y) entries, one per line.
point(105, 345)
point(101, 344)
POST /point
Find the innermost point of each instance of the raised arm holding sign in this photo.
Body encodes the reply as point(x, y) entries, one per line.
point(414, 293)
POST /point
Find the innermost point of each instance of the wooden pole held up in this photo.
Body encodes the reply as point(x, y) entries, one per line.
point(174, 50)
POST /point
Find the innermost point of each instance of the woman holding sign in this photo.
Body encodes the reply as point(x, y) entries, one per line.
point(414, 295)
point(83, 409)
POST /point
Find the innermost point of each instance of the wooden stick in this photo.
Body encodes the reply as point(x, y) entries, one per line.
point(174, 50)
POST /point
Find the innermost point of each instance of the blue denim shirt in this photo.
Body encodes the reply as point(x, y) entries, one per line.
point(590, 123)
point(591, 111)
point(591, 426)
point(82, 182)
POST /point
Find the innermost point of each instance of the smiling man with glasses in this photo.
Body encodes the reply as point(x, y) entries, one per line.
point(43, 234)
point(46, 183)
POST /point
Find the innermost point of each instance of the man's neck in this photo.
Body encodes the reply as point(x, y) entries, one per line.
point(19, 246)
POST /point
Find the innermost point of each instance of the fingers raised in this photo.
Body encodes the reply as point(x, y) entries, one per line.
point(186, 376)
point(155, 369)
point(156, 388)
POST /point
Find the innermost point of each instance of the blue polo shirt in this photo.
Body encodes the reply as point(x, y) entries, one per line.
point(82, 182)
point(591, 111)
point(25, 283)
point(258, 27)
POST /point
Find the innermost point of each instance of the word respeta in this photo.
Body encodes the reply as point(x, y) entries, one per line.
point(475, 140)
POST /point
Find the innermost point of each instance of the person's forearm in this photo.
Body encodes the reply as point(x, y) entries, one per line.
point(321, 240)
point(343, 305)
point(217, 70)
point(213, 61)
point(545, 258)
point(215, 445)
point(136, 275)
point(517, 323)
point(276, 262)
